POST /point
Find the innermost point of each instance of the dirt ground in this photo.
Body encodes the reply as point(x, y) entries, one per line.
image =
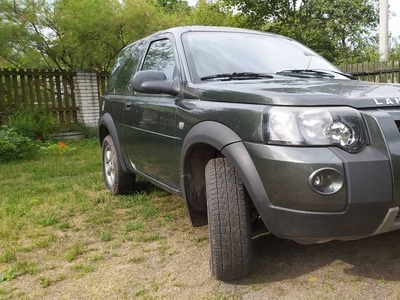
point(176, 267)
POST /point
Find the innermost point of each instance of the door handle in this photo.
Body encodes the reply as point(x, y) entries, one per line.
point(128, 105)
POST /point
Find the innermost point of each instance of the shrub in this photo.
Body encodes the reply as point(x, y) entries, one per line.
point(14, 146)
point(35, 123)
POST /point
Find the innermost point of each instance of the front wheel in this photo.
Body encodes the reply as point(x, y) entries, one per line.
point(228, 221)
point(117, 181)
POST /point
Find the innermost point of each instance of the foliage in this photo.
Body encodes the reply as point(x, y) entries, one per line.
point(75, 34)
point(174, 6)
point(213, 13)
point(259, 13)
point(394, 53)
point(87, 35)
point(14, 146)
point(34, 123)
point(339, 30)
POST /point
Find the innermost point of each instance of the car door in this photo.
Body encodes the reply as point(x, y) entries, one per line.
point(149, 119)
point(117, 85)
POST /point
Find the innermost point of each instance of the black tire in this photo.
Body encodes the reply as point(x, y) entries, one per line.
point(117, 181)
point(228, 221)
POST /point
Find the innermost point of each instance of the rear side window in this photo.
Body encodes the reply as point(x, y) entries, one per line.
point(119, 62)
point(120, 77)
point(160, 57)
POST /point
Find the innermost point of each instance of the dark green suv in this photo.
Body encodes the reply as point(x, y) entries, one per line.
point(252, 128)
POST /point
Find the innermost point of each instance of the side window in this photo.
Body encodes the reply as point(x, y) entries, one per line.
point(123, 82)
point(119, 62)
point(160, 57)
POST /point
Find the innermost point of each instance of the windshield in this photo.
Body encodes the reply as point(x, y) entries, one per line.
point(211, 53)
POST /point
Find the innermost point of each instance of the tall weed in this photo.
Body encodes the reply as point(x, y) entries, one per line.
point(34, 123)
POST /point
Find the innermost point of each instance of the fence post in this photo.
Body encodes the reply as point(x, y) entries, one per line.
point(87, 98)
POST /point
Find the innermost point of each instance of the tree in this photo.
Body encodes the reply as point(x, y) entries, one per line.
point(75, 34)
point(212, 13)
point(336, 29)
point(174, 6)
point(347, 23)
point(258, 13)
point(17, 43)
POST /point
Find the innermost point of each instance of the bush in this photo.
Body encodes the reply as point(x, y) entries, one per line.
point(14, 146)
point(35, 123)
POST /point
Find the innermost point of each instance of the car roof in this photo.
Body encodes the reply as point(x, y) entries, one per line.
point(182, 29)
point(177, 31)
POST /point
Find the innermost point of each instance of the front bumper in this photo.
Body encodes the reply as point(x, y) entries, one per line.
point(294, 211)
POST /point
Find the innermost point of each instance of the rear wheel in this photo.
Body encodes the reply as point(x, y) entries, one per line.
point(117, 181)
point(228, 221)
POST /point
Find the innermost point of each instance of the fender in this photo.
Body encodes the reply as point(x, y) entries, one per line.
point(239, 157)
point(209, 132)
point(107, 121)
point(226, 141)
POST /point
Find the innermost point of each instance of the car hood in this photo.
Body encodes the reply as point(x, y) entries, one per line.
point(303, 92)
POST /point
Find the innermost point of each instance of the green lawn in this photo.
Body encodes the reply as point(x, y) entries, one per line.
point(52, 208)
point(63, 236)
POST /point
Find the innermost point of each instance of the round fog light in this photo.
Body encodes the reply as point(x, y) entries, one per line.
point(326, 181)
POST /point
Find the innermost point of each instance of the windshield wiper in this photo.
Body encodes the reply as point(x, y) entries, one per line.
point(306, 73)
point(236, 76)
point(349, 76)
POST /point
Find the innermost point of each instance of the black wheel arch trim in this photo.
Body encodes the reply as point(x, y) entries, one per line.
point(226, 141)
point(239, 157)
point(107, 121)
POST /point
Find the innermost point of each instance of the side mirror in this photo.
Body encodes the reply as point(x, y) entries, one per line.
point(155, 82)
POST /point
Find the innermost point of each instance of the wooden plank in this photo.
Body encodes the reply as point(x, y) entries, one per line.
point(16, 89)
point(59, 99)
point(23, 89)
point(396, 65)
point(9, 99)
point(73, 100)
point(390, 66)
point(31, 96)
point(101, 83)
point(386, 76)
point(45, 92)
point(66, 100)
point(377, 75)
point(38, 90)
point(2, 96)
point(52, 92)
point(370, 68)
point(67, 97)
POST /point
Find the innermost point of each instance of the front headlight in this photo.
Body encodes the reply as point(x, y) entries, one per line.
point(315, 126)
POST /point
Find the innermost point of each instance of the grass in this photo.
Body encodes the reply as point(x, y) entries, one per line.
point(55, 208)
point(74, 251)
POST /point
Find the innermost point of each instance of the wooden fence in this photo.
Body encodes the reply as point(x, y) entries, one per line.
point(47, 89)
point(386, 72)
point(102, 78)
point(51, 90)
